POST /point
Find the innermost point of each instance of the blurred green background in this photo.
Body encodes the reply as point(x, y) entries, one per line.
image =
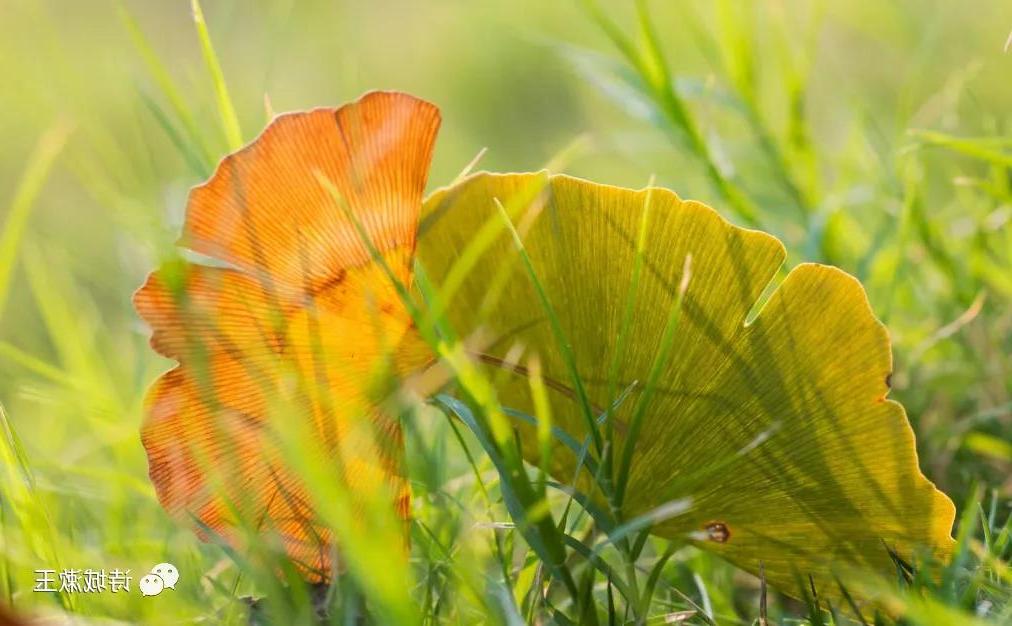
point(873, 135)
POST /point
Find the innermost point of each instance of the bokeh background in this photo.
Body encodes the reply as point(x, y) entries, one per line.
point(874, 135)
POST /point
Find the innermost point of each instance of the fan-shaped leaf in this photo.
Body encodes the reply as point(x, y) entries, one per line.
point(778, 430)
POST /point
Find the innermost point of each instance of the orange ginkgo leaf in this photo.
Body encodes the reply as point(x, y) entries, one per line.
point(297, 325)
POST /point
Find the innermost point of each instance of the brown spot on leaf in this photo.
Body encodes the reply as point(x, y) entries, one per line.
point(333, 281)
point(717, 531)
point(889, 380)
point(277, 342)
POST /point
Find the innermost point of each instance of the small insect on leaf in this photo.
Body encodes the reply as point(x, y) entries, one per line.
point(717, 531)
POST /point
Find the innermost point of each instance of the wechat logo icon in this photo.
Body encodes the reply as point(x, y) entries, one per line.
point(162, 576)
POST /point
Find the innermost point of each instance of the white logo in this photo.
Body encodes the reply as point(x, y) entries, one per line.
point(151, 585)
point(168, 573)
point(161, 576)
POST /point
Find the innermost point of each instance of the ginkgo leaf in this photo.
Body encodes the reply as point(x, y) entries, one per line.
point(777, 429)
point(302, 325)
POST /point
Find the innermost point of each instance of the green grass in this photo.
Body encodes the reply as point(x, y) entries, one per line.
point(786, 120)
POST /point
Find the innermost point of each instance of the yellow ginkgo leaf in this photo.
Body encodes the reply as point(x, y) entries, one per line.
point(776, 429)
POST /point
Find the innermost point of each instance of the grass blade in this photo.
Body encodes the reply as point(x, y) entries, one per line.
point(229, 119)
point(564, 346)
point(660, 361)
point(34, 177)
point(171, 92)
point(20, 493)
